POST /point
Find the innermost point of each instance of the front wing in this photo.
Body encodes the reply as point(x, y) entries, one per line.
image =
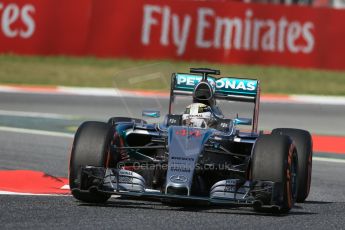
point(265, 194)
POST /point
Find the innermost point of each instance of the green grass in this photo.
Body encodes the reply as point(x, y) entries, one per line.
point(155, 75)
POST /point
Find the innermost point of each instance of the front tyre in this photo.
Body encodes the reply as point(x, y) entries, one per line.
point(90, 147)
point(275, 159)
point(304, 145)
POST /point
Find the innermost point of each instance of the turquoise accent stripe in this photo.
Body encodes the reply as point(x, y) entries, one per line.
point(224, 86)
point(235, 92)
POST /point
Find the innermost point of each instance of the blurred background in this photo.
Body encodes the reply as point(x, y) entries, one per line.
point(120, 55)
point(293, 47)
point(64, 62)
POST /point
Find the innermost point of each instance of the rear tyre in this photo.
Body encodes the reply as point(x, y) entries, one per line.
point(90, 147)
point(274, 159)
point(304, 145)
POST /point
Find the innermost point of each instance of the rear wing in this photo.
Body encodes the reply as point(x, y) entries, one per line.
point(233, 89)
point(225, 88)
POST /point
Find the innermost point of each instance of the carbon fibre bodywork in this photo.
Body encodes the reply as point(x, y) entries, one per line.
point(180, 163)
point(263, 194)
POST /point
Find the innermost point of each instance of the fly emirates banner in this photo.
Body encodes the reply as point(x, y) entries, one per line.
point(224, 32)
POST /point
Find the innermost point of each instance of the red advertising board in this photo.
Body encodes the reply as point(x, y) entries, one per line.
point(216, 31)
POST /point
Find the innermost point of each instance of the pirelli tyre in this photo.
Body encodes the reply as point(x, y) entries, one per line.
point(90, 147)
point(304, 145)
point(275, 159)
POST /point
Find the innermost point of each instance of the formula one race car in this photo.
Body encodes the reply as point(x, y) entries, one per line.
point(197, 156)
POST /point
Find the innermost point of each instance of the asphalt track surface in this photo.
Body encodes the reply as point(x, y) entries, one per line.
point(317, 118)
point(324, 208)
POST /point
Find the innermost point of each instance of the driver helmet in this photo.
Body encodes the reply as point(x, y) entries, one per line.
point(198, 115)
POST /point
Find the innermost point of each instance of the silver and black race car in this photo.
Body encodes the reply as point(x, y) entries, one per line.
point(197, 156)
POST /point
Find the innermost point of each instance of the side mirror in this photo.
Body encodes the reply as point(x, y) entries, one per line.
point(151, 113)
point(243, 121)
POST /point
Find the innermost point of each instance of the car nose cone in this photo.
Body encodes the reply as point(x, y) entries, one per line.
point(178, 179)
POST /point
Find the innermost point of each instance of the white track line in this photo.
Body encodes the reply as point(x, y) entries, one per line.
point(30, 194)
point(113, 92)
point(331, 160)
point(38, 194)
point(88, 91)
point(36, 114)
point(36, 132)
point(315, 99)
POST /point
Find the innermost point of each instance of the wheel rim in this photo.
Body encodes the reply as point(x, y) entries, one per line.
point(291, 177)
point(293, 170)
point(309, 173)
